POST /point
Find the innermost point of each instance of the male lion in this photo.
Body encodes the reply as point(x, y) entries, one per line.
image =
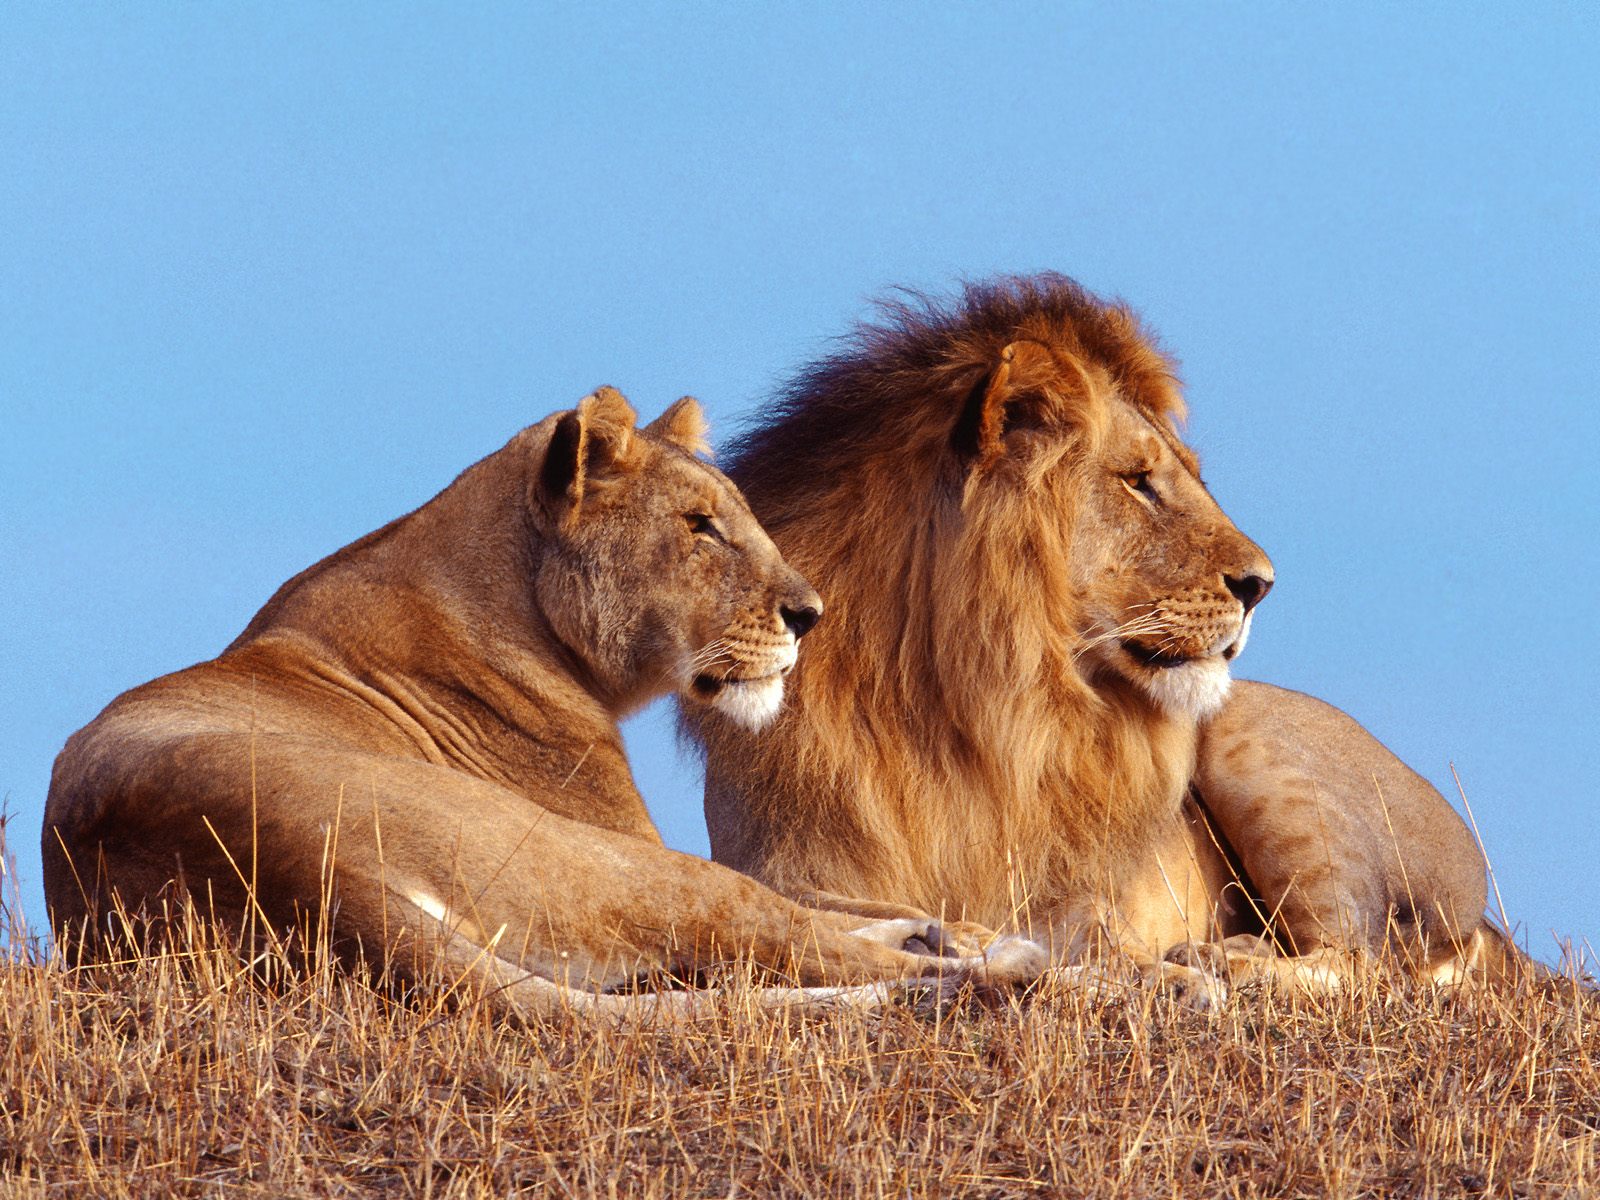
point(414, 746)
point(1037, 602)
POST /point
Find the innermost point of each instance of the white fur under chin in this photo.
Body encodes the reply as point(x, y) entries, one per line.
point(752, 704)
point(1196, 689)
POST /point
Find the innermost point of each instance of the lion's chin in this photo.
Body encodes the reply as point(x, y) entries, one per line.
point(1195, 689)
point(749, 702)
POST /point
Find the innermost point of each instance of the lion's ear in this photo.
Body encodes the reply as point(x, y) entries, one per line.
point(590, 443)
point(684, 425)
point(1013, 394)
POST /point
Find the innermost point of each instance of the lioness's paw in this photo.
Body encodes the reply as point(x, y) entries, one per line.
point(963, 950)
point(914, 935)
point(967, 939)
point(1014, 961)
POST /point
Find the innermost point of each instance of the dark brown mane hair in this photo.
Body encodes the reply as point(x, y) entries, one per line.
point(854, 404)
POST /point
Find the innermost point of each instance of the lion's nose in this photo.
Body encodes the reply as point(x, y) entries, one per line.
point(801, 620)
point(1249, 590)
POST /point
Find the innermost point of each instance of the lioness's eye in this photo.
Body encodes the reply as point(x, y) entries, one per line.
point(700, 523)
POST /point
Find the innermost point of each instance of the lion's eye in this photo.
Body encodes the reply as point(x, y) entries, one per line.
point(701, 523)
point(1138, 482)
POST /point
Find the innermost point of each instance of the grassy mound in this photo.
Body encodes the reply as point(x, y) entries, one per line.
point(184, 1074)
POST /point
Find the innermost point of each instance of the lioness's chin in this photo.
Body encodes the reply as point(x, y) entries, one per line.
point(1194, 689)
point(751, 702)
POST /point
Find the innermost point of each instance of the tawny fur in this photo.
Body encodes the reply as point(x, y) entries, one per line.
point(413, 748)
point(971, 488)
point(1345, 847)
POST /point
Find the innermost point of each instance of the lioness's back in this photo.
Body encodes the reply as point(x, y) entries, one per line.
point(411, 755)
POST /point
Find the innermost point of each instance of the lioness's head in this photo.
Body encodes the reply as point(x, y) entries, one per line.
point(654, 574)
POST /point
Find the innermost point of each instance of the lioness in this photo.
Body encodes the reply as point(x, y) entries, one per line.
point(415, 743)
point(1038, 605)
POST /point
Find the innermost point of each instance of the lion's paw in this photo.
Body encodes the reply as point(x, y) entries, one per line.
point(1192, 975)
point(1321, 972)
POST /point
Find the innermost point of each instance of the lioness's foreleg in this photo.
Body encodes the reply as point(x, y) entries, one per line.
point(955, 937)
point(475, 975)
point(386, 853)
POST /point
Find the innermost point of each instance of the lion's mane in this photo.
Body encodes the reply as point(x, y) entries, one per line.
point(942, 744)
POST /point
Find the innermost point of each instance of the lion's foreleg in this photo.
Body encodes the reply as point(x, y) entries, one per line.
point(1346, 849)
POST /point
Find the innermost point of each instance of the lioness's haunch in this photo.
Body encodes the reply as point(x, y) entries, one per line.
point(1040, 602)
point(414, 746)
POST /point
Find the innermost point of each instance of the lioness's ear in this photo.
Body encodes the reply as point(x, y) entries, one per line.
point(589, 443)
point(684, 425)
point(1011, 395)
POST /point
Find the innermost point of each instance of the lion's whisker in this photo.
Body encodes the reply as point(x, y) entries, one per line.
point(709, 654)
point(1134, 626)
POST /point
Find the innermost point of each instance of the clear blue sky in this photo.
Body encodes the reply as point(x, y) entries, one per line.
point(271, 275)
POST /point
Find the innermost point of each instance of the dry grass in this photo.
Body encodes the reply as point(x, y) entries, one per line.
point(180, 1075)
point(185, 1074)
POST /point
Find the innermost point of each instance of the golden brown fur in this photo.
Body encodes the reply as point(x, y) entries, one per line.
point(1034, 602)
point(413, 746)
point(1343, 845)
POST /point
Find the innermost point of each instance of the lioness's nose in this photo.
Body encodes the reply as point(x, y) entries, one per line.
point(800, 620)
point(1249, 590)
